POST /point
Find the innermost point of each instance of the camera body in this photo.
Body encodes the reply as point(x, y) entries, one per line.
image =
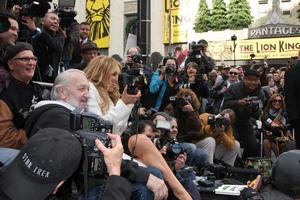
point(217, 121)
point(89, 128)
point(170, 70)
point(135, 80)
point(174, 148)
point(149, 113)
point(181, 101)
point(196, 56)
point(137, 58)
point(66, 17)
point(253, 104)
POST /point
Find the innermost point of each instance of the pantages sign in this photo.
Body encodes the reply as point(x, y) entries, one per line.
point(274, 30)
point(276, 25)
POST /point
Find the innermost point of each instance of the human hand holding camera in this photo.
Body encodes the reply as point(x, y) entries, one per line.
point(223, 90)
point(187, 108)
point(130, 98)
point(113, 156)
point(243, 102)
point(218, 131)
point(180, 161)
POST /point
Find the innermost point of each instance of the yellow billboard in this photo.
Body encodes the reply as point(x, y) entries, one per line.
point(98, 16)
point(182, 19)
point(274, 48)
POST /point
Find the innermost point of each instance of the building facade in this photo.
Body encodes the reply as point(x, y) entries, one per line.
point(123, 14)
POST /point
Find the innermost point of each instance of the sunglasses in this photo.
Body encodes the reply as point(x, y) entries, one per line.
point(276, 101)
point(234, 73)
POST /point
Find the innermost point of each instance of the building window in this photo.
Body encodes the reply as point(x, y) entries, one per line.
point(286, 12)
point(263, 1)
point(285, 0)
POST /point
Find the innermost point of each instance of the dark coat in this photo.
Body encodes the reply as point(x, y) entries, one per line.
point(117, 187)
point(243, 113)
point(48, 48)
point(292, 93)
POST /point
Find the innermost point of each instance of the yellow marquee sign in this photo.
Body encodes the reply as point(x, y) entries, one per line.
point(183, 16)
point(271, 48)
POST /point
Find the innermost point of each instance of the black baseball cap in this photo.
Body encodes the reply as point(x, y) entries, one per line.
point(52, 155)
point(286, 173)
point(251, 72)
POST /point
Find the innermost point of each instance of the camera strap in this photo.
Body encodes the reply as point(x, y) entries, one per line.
point(85, 170)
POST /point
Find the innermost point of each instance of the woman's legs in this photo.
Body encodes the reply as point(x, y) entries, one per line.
point(145, 151)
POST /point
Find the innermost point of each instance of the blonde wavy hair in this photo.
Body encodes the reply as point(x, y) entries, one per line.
point(98, 72)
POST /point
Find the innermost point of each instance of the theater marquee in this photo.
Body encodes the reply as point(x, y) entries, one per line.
point(274, 31)
point(274, 48)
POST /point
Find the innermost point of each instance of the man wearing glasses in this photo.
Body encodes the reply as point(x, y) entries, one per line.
point(17, 99)
point(233, 76)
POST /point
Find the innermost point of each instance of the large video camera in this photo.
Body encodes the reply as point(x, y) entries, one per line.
point(66, 13)
point(91, 127)
point(174, 148)
point(197, 55)
point(217, 121)
point(36, 8)
point(135, 80)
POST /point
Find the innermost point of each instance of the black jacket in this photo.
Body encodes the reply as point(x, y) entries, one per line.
point(19, 97)
point(243, 113)
point(48, 48)
point(292, 93)
point(117, 188)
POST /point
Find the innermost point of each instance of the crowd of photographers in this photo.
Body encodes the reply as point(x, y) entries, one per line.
point(172, 118)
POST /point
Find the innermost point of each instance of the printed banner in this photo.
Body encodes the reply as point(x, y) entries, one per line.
point(274, 48)
point(183, 17)
point(98, 16)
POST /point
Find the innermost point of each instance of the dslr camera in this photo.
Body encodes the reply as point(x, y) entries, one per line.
point(135, 80)
point(181, 101)
point(137, 58)
point(149, 113)
point(174, 148)
point(170, 70)
point(253, 103)
point(217, 121)
point(89, 128)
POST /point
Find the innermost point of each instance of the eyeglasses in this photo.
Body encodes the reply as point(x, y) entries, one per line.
point(234, 73)
point(26, 59)
point(277, 101)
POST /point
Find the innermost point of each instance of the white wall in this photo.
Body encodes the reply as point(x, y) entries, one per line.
point(157, 26)
point(116, 41)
